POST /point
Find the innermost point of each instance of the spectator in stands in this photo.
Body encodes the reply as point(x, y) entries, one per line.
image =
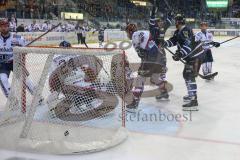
point(21, 28)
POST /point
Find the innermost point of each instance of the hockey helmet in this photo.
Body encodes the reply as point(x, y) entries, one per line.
point(4, 22)
point(131, 27)
point(203, 23)
point(65, 44)
point(180, 19)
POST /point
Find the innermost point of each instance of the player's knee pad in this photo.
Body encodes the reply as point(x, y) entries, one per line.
point(4, 84)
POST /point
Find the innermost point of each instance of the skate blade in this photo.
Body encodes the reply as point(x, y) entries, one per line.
point(186, 100)
point(162, 99)
point(190, 108)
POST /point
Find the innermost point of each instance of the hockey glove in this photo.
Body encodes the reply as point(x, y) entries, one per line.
point(141, 52)
point(216, 44)
point(170, 15)
point(177, 56)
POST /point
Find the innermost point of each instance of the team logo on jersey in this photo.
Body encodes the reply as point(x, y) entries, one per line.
point(185, 33)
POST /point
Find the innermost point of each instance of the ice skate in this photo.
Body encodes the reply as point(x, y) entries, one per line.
point(186, 98)
point(164, 96)
point(192, 104)
point(132, 108)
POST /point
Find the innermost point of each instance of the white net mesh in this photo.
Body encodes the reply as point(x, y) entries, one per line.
point(64, 101)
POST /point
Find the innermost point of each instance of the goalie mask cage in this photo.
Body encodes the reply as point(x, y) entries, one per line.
point(76, 105)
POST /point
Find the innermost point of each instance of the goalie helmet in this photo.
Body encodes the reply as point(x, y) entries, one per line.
point(4, 22)
point(65, 44)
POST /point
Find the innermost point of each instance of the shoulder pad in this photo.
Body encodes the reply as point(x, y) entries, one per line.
point(186, 29)
point(198, 33)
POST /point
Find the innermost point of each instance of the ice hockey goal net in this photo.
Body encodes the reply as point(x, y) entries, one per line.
point(76, 103)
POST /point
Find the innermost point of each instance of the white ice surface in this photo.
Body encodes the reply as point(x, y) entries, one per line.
point(212, 134)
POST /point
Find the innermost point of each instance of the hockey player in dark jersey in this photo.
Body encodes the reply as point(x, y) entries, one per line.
point(158, 28)
point(100, 31)
point(101, 36)
point(183, 38)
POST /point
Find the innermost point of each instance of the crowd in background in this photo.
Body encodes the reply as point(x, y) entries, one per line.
point(236, 9)
point(118, 11)
point(67, 26)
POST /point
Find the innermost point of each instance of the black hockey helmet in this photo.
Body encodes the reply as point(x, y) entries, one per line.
point(180, 19)
point(65, 44)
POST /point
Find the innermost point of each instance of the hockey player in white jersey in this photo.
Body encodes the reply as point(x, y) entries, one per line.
point(34, 27)
point(7, 42)
point(207, 59)
point(152, 63)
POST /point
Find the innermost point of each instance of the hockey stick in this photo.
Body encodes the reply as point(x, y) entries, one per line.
point(174, 54)
point(25, 71)
point(192, 52)
point(168, 5)
point(200, 75)
point(230, 39)
point(43, 35)
point(36, 39)
point(227, 40)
